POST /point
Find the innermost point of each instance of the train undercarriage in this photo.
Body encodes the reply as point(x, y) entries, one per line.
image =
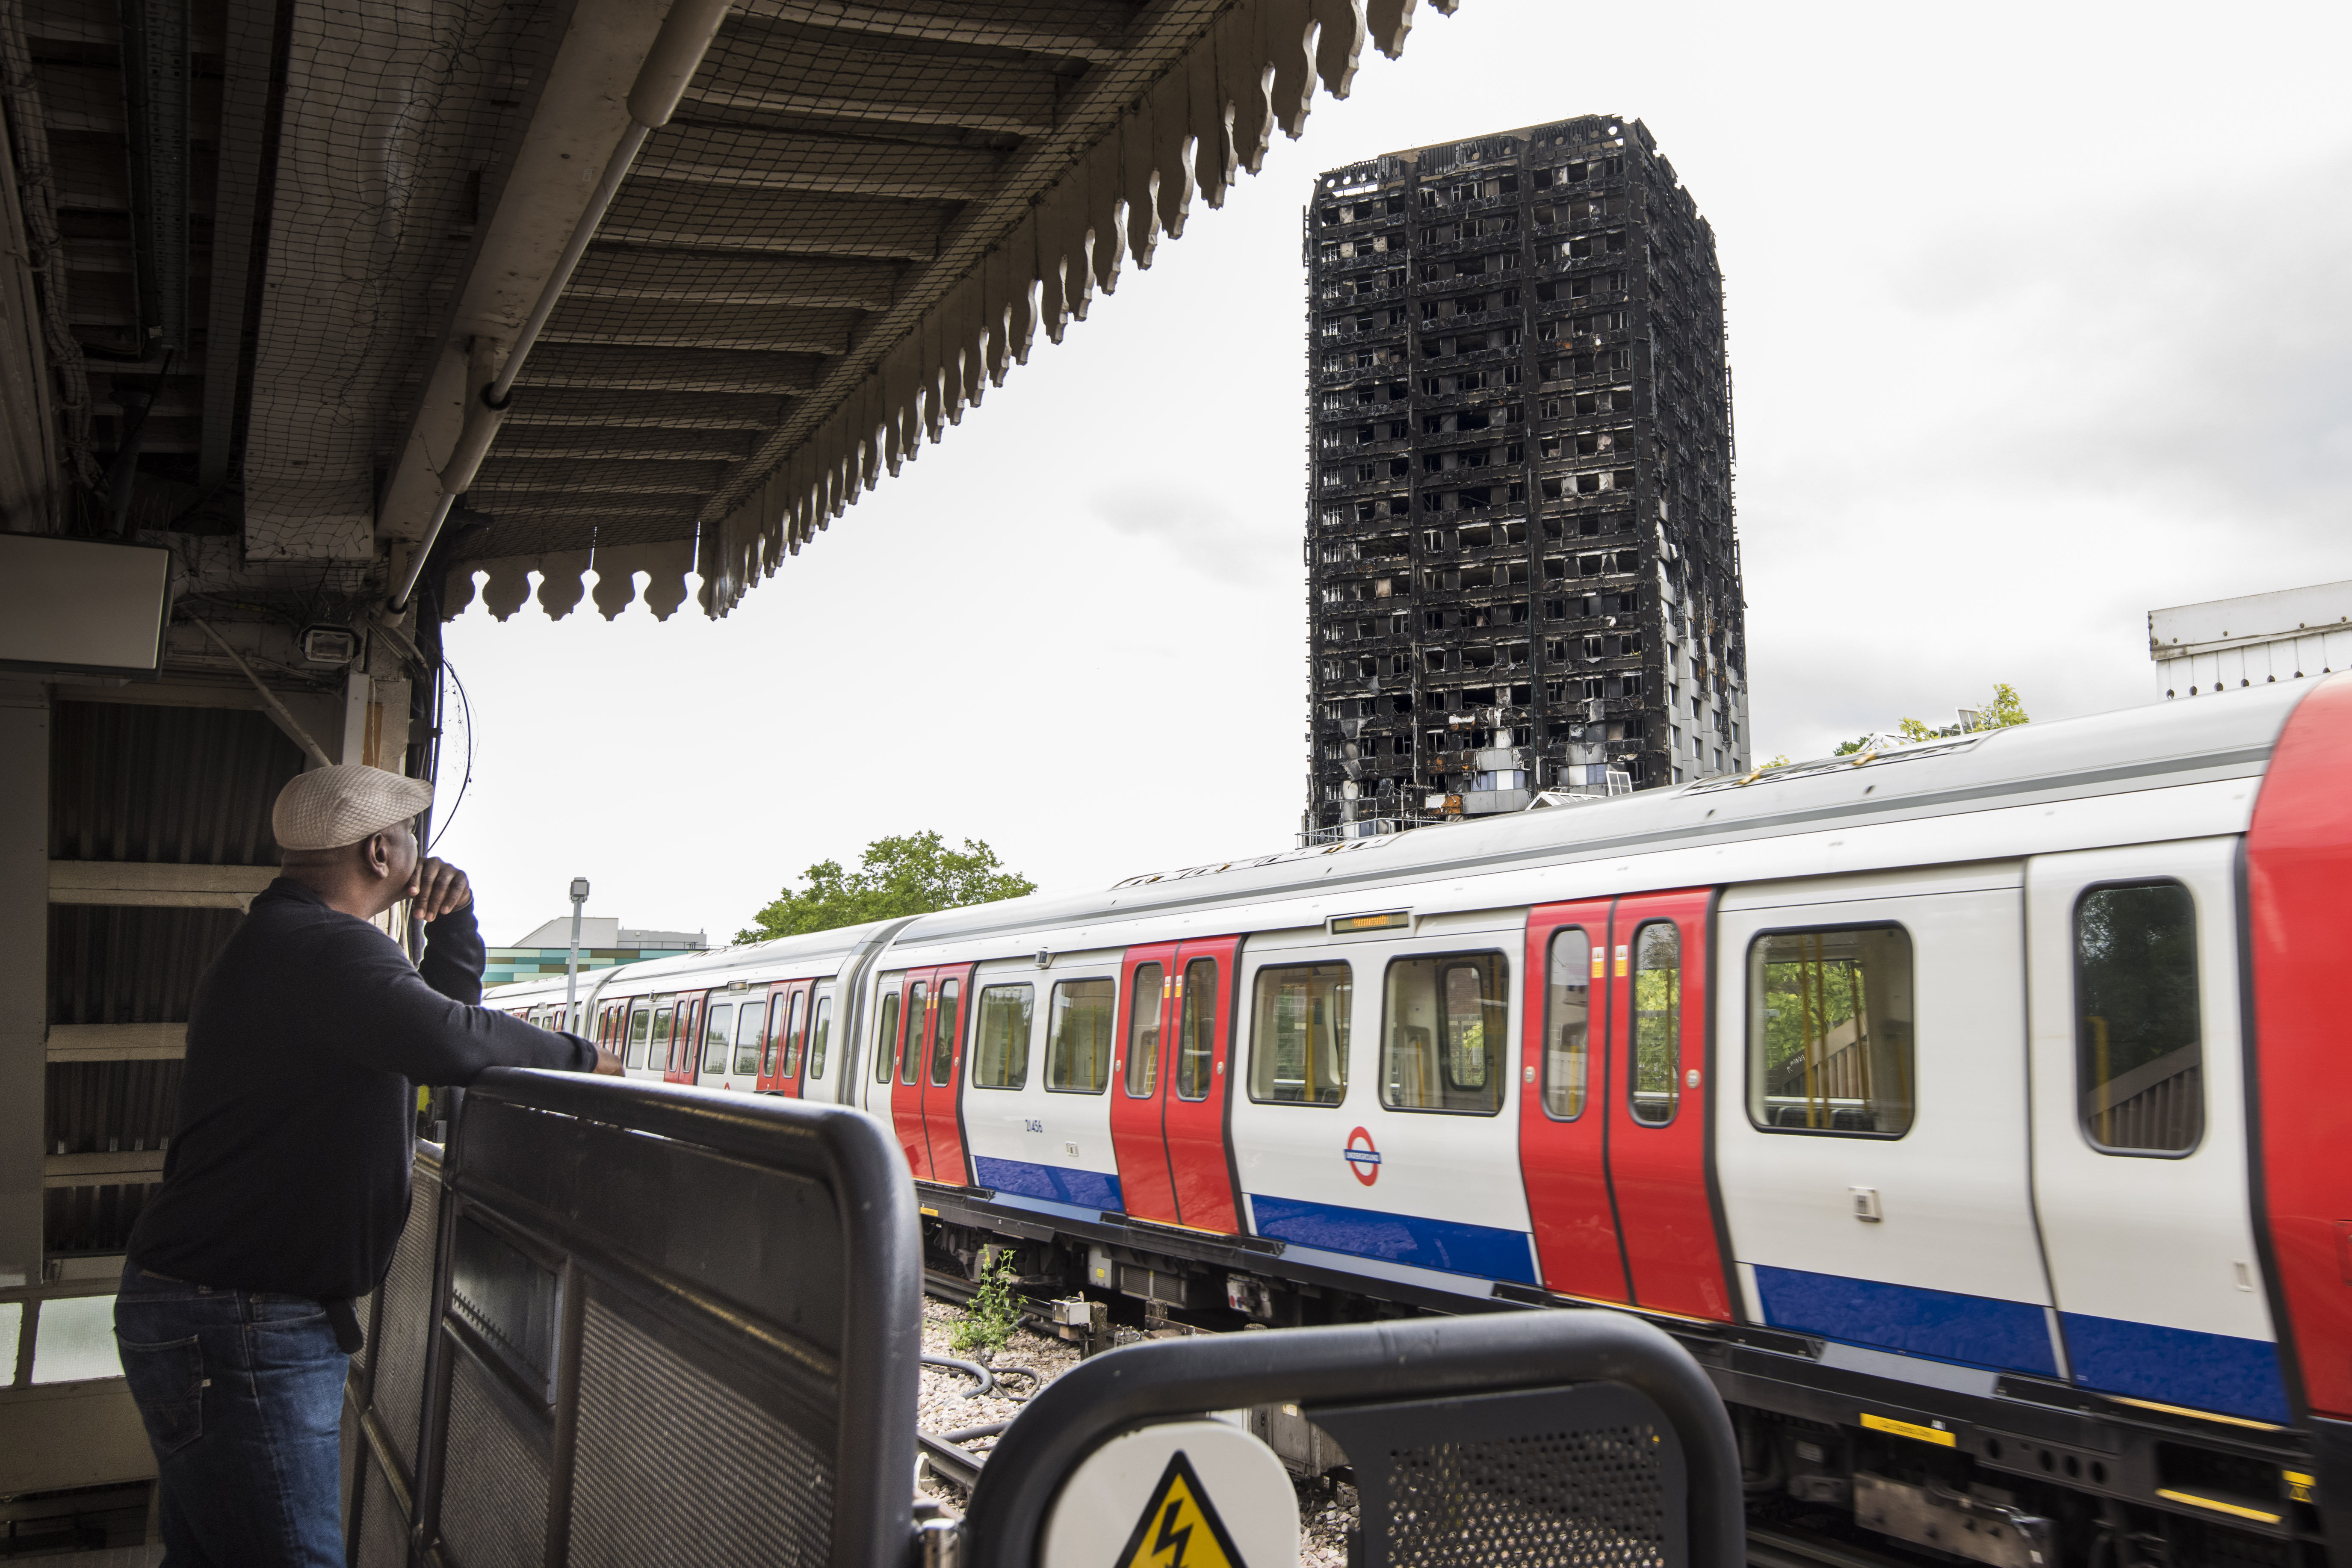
point(1840, 1466)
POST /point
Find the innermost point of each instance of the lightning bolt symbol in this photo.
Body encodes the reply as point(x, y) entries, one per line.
point(1171, 1537)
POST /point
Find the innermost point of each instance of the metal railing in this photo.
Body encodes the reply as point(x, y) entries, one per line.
point(1514, 1438)
point(634, 1323)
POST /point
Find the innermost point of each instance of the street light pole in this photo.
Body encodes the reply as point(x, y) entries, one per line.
point(571, 964)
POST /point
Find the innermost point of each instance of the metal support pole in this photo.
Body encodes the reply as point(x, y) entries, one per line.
point(571, 964)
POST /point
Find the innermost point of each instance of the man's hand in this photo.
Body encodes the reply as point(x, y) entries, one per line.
point(608, 1064)
point(436, 888)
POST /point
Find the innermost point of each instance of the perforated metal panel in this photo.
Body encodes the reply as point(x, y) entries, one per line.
point(384, 1529)
point(688, 1469)
point(1589, 1475)
point(1592, 1499)
point(494, 1499)
point(406, 1329)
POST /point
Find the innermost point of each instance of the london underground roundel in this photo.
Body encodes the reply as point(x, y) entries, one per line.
point(1362, 1157)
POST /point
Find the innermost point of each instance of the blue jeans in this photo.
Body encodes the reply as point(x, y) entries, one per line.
point(242, 1396)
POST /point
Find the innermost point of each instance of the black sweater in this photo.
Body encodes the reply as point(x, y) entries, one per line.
point(289, 1170)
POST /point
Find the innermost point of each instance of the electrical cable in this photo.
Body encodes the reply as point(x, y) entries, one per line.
point(465, 707)
point(970, 1369)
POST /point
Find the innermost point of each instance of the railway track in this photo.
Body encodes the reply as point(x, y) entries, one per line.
point(1769, 1546)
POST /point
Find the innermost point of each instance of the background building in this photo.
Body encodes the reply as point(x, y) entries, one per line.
point(604, 942)
point(1523, 570)
point(2223, 645)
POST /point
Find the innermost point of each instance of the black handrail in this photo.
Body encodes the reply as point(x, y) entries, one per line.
point(1426, 1358)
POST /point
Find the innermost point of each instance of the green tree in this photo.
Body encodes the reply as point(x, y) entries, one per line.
point(2005, 709)
point(910, 875)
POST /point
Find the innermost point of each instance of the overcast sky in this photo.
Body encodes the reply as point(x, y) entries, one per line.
point(2039, 319)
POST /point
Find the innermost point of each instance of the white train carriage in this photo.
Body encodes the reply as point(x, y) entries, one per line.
point(1927, 1080)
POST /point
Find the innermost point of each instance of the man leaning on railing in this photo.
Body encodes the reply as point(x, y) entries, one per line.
point(287, 1183)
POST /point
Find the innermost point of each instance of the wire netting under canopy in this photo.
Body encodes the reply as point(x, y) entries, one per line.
point(725, 265)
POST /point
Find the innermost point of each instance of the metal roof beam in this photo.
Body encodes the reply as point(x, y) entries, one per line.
point(639, 272)
point(757, 158)
point(1071, 28)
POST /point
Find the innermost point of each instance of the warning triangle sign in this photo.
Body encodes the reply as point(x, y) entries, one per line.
point(1180, 1527)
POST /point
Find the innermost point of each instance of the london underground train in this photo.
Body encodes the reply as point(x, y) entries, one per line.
point(1976, 1111)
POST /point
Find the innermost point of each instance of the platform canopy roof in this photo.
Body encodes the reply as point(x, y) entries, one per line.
point(263, 257)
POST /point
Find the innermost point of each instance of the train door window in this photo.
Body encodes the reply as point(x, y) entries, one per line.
point(1196, 1029)
point(944, 1033)
point(791, 1032)
point(746, 1039)
point(1078, 1051)
point(1653, 1087)
point(911, 1058)
point(999, 1049)
point(717, 1028)
point(886, 1037)
point(820, 1035)
point(641, 1028)
point(1444, 1033)
point(1568, 1022)
point(2139, 1055)
point(1143, 1010)
point(1299, 1037)
point(659, 1057)
point(1830, 1030)
point(775, 1036)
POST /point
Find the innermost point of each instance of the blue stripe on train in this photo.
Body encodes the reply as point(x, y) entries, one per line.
point(2177, 1366)
point(1975, 1331)
point(1057, 1184)
point(1480, 1250)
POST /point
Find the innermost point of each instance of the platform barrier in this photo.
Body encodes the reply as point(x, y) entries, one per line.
point(1536, 1437)
point(631, 1324)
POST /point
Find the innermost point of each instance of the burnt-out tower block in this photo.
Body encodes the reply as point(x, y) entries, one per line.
point(1522, 564)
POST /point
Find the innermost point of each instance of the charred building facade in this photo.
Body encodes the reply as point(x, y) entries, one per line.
point(1523, 570)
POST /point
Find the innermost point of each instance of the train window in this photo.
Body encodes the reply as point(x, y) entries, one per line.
point(658, 1057)
point(1654, 1087)
point(1446, 1023)
point(943, 1034)
point(1196, 1030)
point(775, 1036)
point(820, 1035)
point(911, 1056)
point(717, 1026)
point(1146, 1001)
point(1568, 1012)
point(1077, 1052)
point(886, 1037)
point(747, 1039)
point(641, 1027)
point(2139, 1055)
point(1829, 1033)
point(1000, 1051)
point(1298, 1041)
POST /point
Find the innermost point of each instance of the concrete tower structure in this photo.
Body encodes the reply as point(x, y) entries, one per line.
point(1523, 569)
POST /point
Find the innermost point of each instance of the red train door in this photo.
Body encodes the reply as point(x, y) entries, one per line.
point(685, 1040)
point(1192, 1095)
point(1139, 1067)
point(1563, 1084)
point(906, 1092)
point(1657, 1103)
point(942, 1072)
point(779, 1063)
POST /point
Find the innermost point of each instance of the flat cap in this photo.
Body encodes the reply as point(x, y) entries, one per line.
point(327, 808)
